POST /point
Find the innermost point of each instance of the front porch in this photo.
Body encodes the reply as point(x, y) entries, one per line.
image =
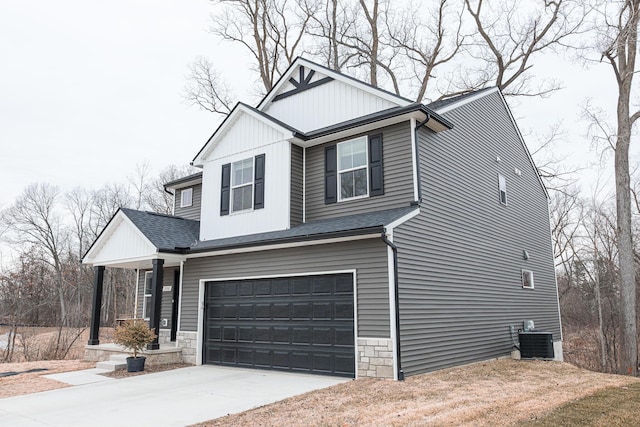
point(166, 354)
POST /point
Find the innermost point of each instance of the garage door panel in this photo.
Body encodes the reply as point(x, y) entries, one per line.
point(302, 324)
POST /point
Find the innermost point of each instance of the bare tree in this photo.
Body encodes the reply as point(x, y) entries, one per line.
point(207, 89)
point(509, 36)
point(34, 220)
point(619, 37)
point(157, 198)
point(330, 31)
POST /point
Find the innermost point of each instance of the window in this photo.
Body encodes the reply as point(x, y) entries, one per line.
point(242, 185)
point(352, 169)
point(527, 279)
point(502, 184)
point(146, 301)
point(186, 197)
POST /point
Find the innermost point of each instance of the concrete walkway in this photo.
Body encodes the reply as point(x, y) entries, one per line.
point(178, 397)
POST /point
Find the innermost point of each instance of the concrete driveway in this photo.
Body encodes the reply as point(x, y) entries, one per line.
point(171, 398)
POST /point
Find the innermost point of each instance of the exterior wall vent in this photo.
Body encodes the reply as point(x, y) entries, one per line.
point(536, 345)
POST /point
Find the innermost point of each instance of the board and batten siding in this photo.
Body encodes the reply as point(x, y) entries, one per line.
point(296, 185)
point(188, 212)
point(325, 105)
point(167, 297)
point(460, 260)
point(368, 257)
point(398, 177)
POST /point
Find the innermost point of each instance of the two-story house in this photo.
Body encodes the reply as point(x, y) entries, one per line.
point(339, 229)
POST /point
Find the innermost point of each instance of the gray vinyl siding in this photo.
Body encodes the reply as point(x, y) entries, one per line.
point(460, 260)
point(398, 177)
point(189, 212)
point(167, 297)
point(296, 185)
point(368, 257)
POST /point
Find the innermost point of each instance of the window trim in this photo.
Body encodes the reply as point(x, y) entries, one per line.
point(183, 192)
point(339, 171)
point(502, 189)
point(233, 187)
point(145, 295)
point(522, 274)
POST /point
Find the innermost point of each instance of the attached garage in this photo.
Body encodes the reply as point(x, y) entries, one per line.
point(301, 324)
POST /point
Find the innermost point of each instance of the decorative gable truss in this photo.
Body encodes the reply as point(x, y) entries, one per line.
point(303, 83)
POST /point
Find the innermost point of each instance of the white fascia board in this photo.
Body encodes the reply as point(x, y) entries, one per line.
point(231, 121)
point(259, 248)
point(336, 76)
point(401, 221)
point(466, 100)
point(368, 127)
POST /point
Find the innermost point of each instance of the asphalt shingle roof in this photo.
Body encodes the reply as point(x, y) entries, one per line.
point(352, 224)
point(164, 231)
point(444, 102)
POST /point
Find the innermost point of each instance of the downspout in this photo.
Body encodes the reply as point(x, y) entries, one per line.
point(417, 151)
point(394, 249)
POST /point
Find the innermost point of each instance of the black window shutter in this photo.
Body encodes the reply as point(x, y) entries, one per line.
point(330, 175)
point(225, 192)
point(258, 193)
point(376, 173)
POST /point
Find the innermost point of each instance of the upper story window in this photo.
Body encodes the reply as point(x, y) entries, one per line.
point(186, 197)
point(242, 185)
point(527, 279)
point(352, 168)
point(502, 184)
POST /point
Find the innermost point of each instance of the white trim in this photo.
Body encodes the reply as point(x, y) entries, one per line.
point(183, 191)
point(392, 307)
point(401, 221)
point(229, 122)
point(339, 171)
point(180, 297)
point(135, 299)
point(414, 164)
point(144, 294)
point(173, 202)
point(293, 68)
point(555, 276)
point(304, 184)
point(466, 100)
point(260, 248)
point(201, 302)
point(233, 187)
point(522, 273)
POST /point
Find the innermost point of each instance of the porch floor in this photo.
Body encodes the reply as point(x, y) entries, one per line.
point(167, 353)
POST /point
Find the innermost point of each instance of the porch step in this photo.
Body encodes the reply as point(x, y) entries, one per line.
point(115, 362)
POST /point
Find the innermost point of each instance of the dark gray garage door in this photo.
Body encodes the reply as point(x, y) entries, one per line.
point(302, 324)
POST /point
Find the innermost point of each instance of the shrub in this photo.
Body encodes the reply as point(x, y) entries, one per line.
point(134, 334)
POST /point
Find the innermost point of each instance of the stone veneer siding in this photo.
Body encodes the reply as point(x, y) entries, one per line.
point(375, 358)
point(188, 341)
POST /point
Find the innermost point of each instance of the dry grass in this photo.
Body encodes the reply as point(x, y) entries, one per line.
point(35, 382)
point(502, 392)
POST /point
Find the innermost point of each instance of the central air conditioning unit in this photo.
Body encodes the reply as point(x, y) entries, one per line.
point(536, 345)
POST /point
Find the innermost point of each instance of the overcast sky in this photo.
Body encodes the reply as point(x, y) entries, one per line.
point(88, 89)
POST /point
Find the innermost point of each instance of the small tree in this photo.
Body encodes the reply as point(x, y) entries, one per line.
point(134, 334)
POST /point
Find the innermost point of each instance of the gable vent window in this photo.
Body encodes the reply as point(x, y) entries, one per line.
point(186, 197)
point(527, 279)
point(353, 169)
point(502, 184)
point(242, 185)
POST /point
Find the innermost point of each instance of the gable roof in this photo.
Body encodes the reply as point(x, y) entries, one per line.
point(441, 104)
point(351, 225)
point(184, 181)
point(299, 61)
point(241, 108)
point(165, 232)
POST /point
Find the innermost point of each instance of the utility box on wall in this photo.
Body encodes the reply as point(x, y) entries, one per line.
point(536, 345)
